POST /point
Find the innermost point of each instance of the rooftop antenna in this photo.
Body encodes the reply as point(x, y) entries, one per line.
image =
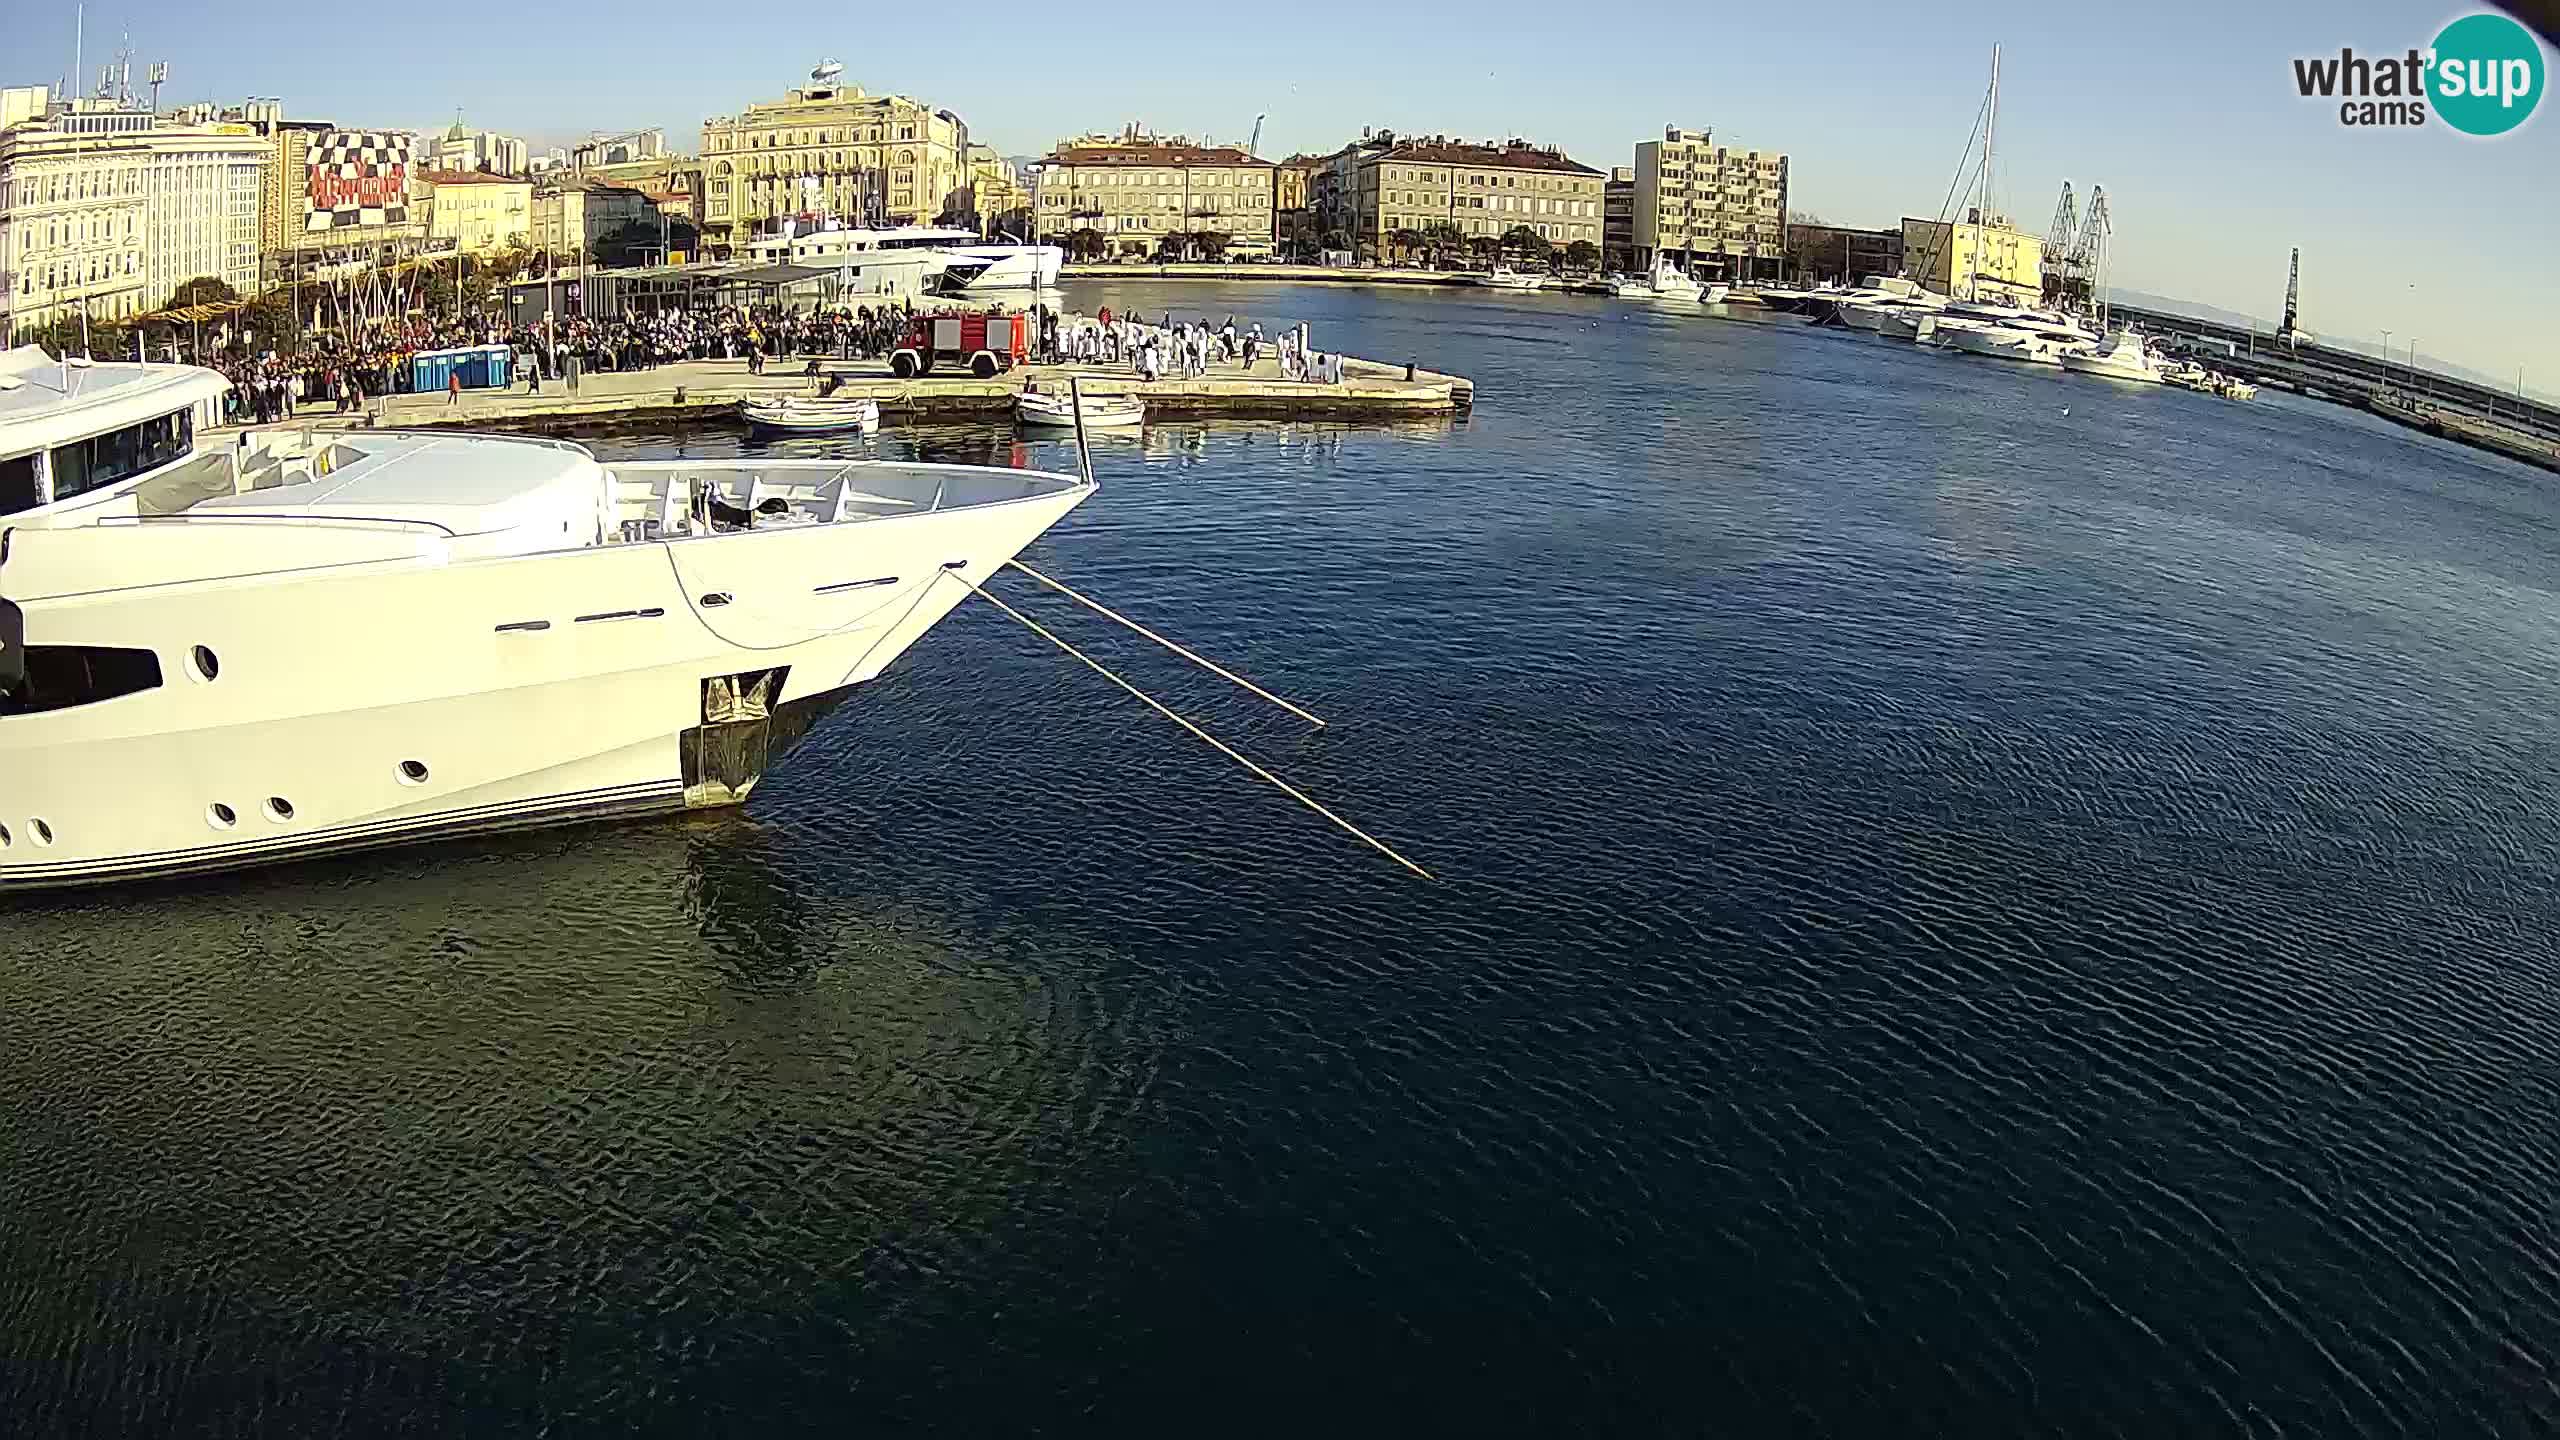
point(79, 37)
point(159, 77)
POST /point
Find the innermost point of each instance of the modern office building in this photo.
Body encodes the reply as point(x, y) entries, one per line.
point(1618, 218)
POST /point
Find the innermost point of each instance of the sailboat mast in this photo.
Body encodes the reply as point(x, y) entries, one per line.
point(1990, 133)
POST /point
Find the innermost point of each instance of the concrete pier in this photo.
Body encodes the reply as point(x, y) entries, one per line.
point(708, 389)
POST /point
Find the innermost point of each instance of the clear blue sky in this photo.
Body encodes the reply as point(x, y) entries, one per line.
point(2184, 111)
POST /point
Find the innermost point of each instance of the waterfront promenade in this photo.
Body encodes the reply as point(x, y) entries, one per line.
point(710, 388)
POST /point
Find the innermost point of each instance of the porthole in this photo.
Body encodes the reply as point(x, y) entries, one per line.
point(220, 816)
point(43, 832)
point(203, 663)
point(5, 841)
point(279, 809)
point(413, 772)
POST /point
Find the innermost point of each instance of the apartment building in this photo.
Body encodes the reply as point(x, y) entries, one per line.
point(1485, 189)
point(1714, 211)
point(1135, 190)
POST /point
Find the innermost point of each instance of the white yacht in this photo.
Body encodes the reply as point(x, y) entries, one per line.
point(340, 641)
point(953, 261)
point(1506, 278)
point(2127, 355)
point(1667, 282)
point(1881, 300)
point(2010, 332)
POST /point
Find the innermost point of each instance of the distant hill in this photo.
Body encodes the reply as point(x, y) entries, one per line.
point(2175, 306)
point(2354, 344)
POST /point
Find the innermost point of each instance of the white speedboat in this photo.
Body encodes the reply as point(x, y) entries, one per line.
point(1506, 278)
point(1667, 282)
point(1101, 412)
point(810, 414)
point(2126, 355)
point(1714, 294)
point(376, 638)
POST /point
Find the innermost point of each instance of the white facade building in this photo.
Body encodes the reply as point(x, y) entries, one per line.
point(106, 210)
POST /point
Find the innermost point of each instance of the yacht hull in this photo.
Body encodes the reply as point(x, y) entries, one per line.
point(390, 702)
point(1999, 345)
point(2132, 373)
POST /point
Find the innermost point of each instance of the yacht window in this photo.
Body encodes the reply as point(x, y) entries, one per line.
point(57, 677)
point(18, 485)
point(100, 460)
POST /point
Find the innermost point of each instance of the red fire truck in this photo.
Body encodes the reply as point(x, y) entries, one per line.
point(986, 344)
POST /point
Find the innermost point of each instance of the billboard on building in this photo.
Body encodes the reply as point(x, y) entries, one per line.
point(356, 180)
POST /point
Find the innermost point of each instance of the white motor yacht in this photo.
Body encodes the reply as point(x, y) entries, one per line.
point(2010, 332)
point(1871, 306)
point(1667, 282)
point(2127, 355)
point(1506, 278)
point(953, 261)
point(336, 641)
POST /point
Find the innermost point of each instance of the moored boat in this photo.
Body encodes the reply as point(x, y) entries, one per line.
point(375, 638)
point(2127, 355)
point(1506, 278)
point(1101, 412)
point(1667, 282)
point(810, 415)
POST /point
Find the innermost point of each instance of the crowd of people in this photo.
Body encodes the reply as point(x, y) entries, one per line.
point(1183, 349)
point(341, 369)
point(344, 368)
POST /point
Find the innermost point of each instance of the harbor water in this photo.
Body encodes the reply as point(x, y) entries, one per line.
point(1970, 900)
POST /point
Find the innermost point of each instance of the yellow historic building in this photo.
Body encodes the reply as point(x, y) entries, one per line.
point(831, 149)
point(1135, 190)
point(481, 214)
point(995, 191)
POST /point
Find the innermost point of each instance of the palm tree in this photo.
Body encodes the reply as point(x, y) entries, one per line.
point(1407, 242)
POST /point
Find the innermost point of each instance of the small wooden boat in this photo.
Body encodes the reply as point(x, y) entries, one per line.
point(809, 415)
point(1101, 412)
